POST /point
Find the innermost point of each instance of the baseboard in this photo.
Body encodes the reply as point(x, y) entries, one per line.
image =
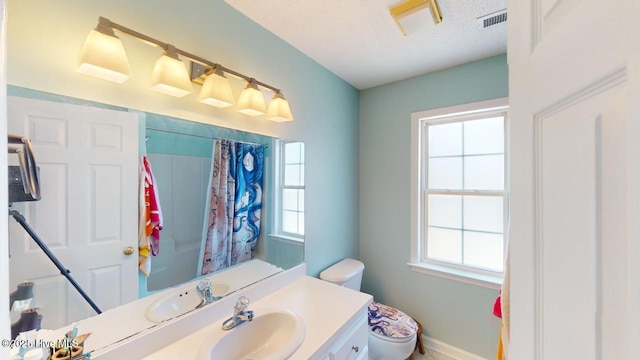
point(449, 350)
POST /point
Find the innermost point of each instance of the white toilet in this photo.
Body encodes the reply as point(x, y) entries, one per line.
point(392, 333)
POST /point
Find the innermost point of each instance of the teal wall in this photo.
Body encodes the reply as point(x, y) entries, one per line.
point(325, 107)
point(456, 313)
point(166, 142)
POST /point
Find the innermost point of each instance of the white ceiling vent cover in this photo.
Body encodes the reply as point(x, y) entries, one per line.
point(492, 19)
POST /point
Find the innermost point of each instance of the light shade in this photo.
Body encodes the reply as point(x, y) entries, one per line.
point(279, 109)
point(103, 55)
point(216, 90)
point(251, 101)
point(170, 75)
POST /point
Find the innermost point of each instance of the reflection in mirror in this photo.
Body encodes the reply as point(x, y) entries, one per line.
point(195, 197)
point(87, 215)
point(182, 167)
point(286, 243)
point(291, 190)
point(88, 155)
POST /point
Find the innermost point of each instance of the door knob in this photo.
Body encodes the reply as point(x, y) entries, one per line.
point(128, 250)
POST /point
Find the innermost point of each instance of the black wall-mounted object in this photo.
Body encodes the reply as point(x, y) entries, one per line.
point(29, 320)
point(24, 180)
point(24, 185)
point(63, 271)
point(17, 186)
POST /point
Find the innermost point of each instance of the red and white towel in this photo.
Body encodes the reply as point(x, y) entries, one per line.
point(149, 217)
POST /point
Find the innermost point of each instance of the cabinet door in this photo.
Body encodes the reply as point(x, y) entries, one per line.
point(355, 346)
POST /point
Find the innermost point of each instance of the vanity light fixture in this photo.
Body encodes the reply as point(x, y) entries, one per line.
point(170, 75)
point(216, 90)
point(251, 101)
point(103, 56)
point(279, 109)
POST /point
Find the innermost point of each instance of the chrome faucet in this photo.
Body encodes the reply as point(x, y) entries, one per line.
point(240, 314)
point(205, 293)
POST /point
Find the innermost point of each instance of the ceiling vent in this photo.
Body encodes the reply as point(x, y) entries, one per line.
point(492, 19)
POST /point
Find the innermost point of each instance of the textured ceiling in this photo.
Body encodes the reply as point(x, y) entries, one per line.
point(360, 42)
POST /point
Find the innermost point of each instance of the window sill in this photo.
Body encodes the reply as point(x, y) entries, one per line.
point(288, 239)
point(468, 277)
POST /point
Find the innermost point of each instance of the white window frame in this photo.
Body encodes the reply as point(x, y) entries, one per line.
point(418, 261)
point(278, 189)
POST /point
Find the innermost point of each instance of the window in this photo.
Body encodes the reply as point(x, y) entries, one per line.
point(460, 191)
point(290, 190)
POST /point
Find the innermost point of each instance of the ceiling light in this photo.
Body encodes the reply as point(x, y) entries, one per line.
point(409, 7)
point(279, 109)
point(251, 101)
point(170, 75)
point(103, 55)
point(216, 90)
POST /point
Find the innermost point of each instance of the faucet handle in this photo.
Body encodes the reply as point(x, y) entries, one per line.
point(242, 304)
point(203, 285)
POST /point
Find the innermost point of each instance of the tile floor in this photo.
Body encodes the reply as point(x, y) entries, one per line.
point(432, 355)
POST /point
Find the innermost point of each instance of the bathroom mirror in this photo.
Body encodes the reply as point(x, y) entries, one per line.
point(180, 154)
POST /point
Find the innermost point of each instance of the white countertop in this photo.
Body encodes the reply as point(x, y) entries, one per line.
point(127, 320)
point(325, 308)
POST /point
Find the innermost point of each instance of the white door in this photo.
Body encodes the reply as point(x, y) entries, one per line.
point(574, 88)
point(4, 253)
point(88, 161)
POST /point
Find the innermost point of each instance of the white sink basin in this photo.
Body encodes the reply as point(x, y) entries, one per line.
point(179, 302)
point(274, 334)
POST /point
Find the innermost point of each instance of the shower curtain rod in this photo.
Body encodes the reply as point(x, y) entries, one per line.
point(200, 136)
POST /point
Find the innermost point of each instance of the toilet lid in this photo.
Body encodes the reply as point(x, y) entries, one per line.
point(391, 339)
point(342, 271)
point(390, 322)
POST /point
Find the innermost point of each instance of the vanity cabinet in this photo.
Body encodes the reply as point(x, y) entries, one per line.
point(353, 344)
point(335, 322)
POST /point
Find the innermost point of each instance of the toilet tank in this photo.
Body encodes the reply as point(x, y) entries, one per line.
point(347, 272)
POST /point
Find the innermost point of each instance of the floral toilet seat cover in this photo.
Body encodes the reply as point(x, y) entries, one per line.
point(390, 322)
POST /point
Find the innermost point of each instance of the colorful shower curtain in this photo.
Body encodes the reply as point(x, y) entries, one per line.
point(233, 225)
